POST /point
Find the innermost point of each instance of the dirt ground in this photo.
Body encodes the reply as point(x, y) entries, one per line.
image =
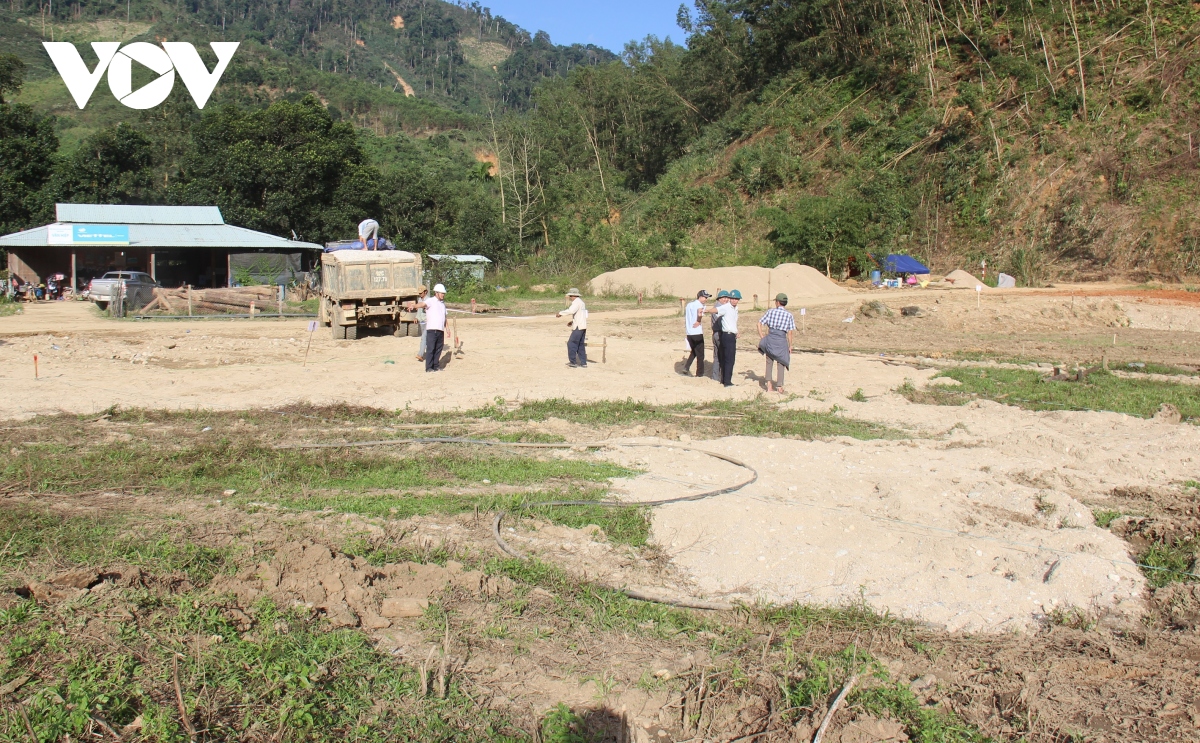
point(978, 522)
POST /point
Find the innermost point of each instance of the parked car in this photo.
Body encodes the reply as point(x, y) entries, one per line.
point(139, 288)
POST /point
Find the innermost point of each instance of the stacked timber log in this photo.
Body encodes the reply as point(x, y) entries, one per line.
point(206, 301)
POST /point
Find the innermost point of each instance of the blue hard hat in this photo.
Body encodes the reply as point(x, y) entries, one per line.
point(735, 294)
point(722, 293)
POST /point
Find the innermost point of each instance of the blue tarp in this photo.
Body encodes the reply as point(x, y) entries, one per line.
point(376, 244)
point(897, 263)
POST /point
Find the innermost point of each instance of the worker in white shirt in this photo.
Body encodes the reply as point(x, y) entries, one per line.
point(577, 345)
point(727, 314)
point(435, 328)
point(693, 327)
point(369, 229)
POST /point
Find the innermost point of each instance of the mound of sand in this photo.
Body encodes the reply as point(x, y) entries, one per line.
point(793, 279)
point(960, 279)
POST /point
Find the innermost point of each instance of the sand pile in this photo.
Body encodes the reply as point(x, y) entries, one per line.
point(348, 591)
point(921, 529)
point(960, 279)
point(793, 279)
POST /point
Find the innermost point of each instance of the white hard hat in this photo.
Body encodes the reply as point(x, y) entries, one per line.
point(439, 289)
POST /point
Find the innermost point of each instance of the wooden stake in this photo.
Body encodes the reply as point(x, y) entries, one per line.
point(604, 351)
point(189, 293)
point(841, 697)
point(35, 371)
point(28, 727)
point(251, 310)
point(187, 724)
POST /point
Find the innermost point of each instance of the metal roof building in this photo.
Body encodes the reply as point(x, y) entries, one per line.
point(174, 244)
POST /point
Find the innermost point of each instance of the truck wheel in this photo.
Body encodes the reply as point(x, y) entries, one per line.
point(351, 332)
point(414, 330)
point(338, 331)
point(323, 315)
point(400, 330)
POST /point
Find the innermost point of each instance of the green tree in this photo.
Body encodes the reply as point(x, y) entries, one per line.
point(12, 74)
point(27, 151)
point(112, 166)
point(818, 230)
point(287, 168)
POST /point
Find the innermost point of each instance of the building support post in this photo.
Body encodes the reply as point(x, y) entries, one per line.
point(74, 274)
point(229, 270)
point(153, 267)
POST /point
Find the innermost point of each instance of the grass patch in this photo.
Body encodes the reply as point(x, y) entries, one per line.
point(1169, 562)
point(820, 678)
point(1105, 517)
point(1030, 390)
point(597, 607)
point(290, 676)
point(33, 535)
point(708, 420)
point(1150, 367)
point(249, 467)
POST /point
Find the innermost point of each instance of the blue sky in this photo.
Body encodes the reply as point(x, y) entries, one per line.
point(607, 24)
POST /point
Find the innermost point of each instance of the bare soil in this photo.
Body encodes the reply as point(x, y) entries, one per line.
point(978, 526)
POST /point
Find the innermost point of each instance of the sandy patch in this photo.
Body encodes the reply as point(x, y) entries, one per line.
point(800, 283)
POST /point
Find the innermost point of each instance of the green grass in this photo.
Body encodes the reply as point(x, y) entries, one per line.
point(8, 307)
point(212, 467)
point(1030, 390)
point(1105, 517)
point(820, 678)
point(596, 607)
point(707, 420)
point(30, 535)
point(1175, 560)
point(291, 678)
point(1150, 367)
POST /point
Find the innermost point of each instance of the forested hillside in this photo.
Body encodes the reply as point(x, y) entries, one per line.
point(1049, 138)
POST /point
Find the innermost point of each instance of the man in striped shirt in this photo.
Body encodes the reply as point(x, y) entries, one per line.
point(775, 340)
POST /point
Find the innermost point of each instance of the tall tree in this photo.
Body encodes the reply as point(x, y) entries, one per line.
point(27, 151)
point(287, 168)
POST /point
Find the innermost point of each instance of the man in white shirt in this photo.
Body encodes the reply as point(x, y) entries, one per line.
point(728, 316)
point(435, 328)
point(693, 327)
point(577, 345)
point(369, 229)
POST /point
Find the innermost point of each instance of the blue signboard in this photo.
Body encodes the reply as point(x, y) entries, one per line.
point(100, 234)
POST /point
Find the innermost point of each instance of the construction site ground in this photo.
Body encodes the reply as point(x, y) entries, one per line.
point(968, 560)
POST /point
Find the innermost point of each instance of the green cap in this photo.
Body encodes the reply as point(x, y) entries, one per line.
point(781, 297)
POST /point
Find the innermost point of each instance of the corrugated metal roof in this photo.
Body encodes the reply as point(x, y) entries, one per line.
point(217, 236)
point(133, 214)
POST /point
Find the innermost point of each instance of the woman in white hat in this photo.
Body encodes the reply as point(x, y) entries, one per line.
point(577, 345)
point(435, 328)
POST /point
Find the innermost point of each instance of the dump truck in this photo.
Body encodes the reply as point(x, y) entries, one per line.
point(368, 289)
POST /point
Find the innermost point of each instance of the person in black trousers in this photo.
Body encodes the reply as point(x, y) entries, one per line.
point(728, 315)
